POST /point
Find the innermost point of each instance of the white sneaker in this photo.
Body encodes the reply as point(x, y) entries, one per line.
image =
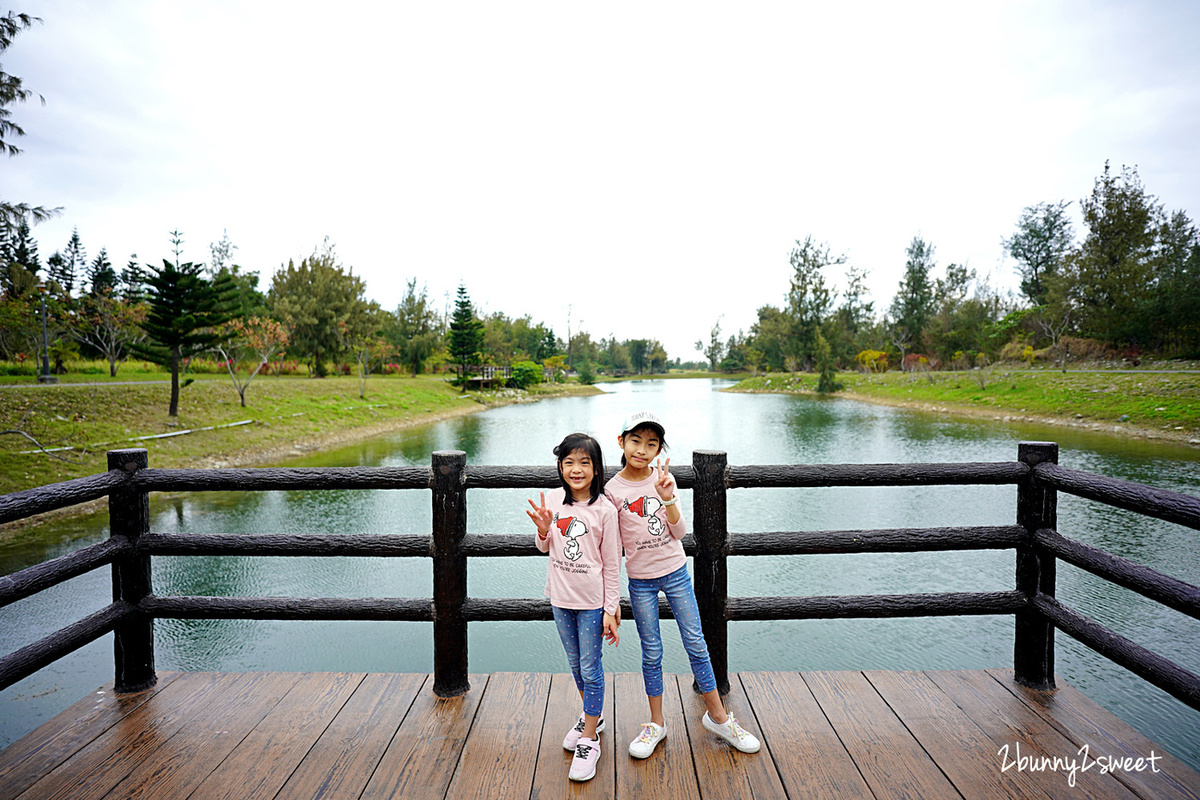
point(733, 733)
point(572, 737)
point(583, 765)
point(647, 740)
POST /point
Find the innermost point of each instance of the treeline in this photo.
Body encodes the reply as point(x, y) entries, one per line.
point(315, 312)
point(1129, 288)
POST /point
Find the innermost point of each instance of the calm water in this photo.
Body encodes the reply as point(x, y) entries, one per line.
point(752, 429)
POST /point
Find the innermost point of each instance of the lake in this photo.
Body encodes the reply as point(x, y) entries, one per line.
point(752, 429)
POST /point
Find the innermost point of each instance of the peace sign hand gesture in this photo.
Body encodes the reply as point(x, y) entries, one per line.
point(541, 516)
point(665, 484)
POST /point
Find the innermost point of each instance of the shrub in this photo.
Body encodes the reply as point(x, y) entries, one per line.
point(525, 374)
point(587, 374)
point(872, 361)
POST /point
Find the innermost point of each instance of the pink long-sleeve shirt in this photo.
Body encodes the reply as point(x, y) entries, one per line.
point(585, 554)
point(651, 542)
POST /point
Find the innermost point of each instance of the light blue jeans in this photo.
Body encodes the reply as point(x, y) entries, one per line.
point(643, 596)
point(582, 633)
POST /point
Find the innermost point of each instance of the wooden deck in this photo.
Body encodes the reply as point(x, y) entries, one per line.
point(352, 735)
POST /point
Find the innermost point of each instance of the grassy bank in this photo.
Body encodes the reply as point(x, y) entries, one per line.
point(287, 416)
point(1150, 404)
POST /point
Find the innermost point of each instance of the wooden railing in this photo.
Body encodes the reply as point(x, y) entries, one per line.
point(1033, 537)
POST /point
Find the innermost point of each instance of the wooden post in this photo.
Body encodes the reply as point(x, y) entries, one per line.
point(133, 639)
point(1037, 507)
point(449, 574)
point(712, 539)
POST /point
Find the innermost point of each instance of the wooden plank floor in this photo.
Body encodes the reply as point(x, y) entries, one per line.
point(953, 734)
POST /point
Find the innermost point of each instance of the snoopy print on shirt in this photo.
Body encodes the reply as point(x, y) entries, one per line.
point(647, 508)
point(572, 528)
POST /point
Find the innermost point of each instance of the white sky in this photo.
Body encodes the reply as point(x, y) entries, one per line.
point(648, 165)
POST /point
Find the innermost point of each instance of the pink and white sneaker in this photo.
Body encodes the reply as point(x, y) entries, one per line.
point(583, 765)
point(572, 737)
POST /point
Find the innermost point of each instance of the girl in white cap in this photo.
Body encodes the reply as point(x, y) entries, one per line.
point(651, 526)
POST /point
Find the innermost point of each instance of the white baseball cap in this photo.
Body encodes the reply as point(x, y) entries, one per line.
point(643, 418)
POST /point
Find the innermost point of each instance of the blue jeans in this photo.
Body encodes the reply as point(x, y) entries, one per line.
point(582, 633)
point(643, 596)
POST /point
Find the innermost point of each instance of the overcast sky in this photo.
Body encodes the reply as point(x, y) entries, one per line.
point(646, 165)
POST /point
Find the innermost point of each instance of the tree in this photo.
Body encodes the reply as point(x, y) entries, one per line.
point(656, 356)
point(466, 331)
point(1176, 293)
point(241, 339)
point(849, 326)
point(71, 263)
point(250, 301)
point(639, 351)
point(1044, 237)
point(809, 298)
point(360, 336)
point(101, 275)
point(826, 382)
point(913, 304)
point(19, 262)
point(715, 351)
point(13, 91)
point(312, 299)
point(185, 311)
point(1106, 280)
point(133, 281)
point(416, 330)
point(769, 335)
point(222, 255)
point(111, 325)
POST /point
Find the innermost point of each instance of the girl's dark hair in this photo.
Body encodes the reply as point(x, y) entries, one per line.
point(590, 448)
point(658, 432)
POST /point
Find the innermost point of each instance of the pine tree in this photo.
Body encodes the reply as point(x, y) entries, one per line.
point(133, 281)
point(184, 312)
point(19, 260)
point(101, 275)
point(466, 331)
point(73, 263)
point(913, 304)
point(12, 91)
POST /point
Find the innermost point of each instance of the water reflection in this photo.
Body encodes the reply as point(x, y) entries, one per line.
point(763, 429)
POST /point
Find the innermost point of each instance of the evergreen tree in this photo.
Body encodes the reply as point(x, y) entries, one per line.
point(133, 281)
point(1175, 310)
point(1105, 283)
point(184, 313)
point(19, 262)
point(12, 91)
point(416, 330)
point(317, 300)
point(1043, 239)
point(914, 301)
point(73, 263)
point(101, 275)
point(24, 248)
point(466, 331)
point(826, 381)
point(809, 298)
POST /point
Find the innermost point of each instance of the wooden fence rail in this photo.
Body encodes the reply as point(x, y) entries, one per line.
point(1033, 538)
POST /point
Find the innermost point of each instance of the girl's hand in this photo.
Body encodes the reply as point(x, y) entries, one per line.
point(610, 630)
point(541, 516)
point(665, 485)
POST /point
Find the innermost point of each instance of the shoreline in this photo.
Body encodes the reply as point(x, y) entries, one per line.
point(1124, 429)
point(279, 455)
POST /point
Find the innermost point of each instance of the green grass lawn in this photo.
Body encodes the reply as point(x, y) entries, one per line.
point(101, 416)
point(1145, 399)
